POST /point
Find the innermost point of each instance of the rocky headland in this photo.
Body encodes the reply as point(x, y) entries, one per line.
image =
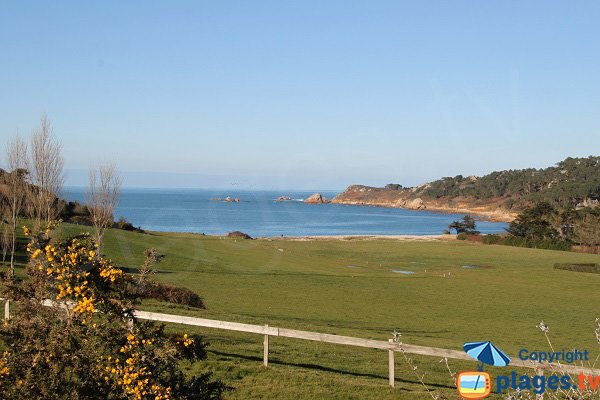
point(412, 199)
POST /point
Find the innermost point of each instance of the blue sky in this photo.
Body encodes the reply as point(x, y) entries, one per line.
point(306, 94)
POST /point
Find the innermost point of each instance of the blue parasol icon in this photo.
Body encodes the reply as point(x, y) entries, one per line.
point(487, 353)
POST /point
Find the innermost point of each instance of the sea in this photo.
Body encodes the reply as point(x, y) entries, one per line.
point(259, 214)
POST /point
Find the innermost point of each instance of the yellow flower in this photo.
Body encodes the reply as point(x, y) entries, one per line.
point(187, 341)
point(85, 305)
point(4, 370)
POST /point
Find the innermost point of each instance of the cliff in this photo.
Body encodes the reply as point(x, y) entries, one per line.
point(411, 200)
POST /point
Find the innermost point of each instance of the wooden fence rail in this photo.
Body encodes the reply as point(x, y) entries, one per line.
point(389, 345)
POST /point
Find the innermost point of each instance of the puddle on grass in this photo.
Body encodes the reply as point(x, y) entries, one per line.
point(352, 266)
point(400, 271)
point(471, 266)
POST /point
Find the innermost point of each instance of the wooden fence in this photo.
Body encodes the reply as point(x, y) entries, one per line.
point(390, 346)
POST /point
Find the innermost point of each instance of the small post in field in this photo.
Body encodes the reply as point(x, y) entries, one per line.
point(391, 365)
point(7, 310)
point(266, 349)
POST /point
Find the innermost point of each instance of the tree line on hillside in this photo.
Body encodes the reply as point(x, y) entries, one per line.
point(544, 221)
point(564, 185)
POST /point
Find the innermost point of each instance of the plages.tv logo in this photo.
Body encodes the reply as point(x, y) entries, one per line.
point(478, 384)
point(474, 384)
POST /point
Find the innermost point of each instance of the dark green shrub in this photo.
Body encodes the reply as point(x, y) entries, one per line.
point(547, 244)
point(171, 294)
point(588, 267)
point(125, 225)
point(80, 220)
point(492, 239)
point(239, 235)
point(75, 213)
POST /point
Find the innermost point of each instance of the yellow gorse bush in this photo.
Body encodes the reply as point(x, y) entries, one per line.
point(109, 272)
point(129, 375)
point(69, 268)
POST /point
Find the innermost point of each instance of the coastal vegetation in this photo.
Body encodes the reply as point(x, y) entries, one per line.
point(544, 221)
point(553, 208)
point(573, 183)
point(544, 226)
point(567, 184)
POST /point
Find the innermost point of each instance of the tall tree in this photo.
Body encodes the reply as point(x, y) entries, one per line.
point(46, 174)
point(535, 223)
point(102, 197)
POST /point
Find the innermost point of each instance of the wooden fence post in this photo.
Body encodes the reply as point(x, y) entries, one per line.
point(7, 310)
point(266, 349)
point(391, 365)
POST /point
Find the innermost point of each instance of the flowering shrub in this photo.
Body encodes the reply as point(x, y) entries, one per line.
point(128, 375)
point(83, 346)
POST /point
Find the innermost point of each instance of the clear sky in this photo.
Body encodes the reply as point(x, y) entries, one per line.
point(305, 94)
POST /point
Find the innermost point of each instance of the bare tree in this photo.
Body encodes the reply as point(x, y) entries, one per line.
point(16, 190)
point(147, 270)
point(5, 242)
point(46, 174)
point(102, 197)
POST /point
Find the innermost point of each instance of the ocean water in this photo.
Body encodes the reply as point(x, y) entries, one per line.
point(259, 215)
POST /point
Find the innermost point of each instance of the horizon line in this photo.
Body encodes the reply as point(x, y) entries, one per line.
point(214, 188)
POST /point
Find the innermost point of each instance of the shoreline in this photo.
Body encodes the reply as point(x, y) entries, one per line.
point(486, 215)
point(402, 237)
point(399, 237)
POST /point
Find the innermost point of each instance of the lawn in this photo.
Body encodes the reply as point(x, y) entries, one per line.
point(349, 288)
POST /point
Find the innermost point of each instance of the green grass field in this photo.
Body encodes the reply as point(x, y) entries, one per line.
point(309, 285)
